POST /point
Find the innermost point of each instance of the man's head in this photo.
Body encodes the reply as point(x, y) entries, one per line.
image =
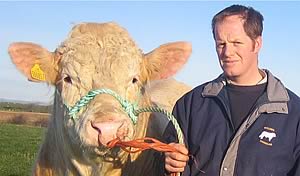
point(253, 20)
point(237, 33)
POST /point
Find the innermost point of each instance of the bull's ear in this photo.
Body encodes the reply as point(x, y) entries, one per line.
point(167, 59)
point(37, 63)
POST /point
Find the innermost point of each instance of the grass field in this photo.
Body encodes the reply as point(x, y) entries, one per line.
point(18, 147)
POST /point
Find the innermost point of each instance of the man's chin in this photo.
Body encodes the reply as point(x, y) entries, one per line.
point(230, 74)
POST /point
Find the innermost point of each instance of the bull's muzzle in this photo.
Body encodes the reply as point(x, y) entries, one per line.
point(109, 130)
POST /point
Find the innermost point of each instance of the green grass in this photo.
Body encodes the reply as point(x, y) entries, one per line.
point(18, 148)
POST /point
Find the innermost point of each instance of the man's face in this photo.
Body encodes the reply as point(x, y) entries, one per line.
point(237, 52)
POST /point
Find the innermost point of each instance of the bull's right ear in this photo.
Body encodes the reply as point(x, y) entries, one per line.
point(35, 62)
point(166, 60)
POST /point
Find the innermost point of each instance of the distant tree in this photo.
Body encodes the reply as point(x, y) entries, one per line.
point(19, 107)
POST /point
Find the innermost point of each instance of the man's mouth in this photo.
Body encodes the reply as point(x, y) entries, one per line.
point(229, 62)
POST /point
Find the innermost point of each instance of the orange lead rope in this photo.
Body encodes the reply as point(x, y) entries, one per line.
point(141, 145)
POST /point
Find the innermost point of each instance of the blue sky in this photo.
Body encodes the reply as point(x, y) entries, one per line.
point(150, 25)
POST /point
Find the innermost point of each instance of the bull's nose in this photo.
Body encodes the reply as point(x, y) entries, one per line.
point(108, 131)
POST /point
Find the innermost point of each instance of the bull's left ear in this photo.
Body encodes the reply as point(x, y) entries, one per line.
point(167, 59)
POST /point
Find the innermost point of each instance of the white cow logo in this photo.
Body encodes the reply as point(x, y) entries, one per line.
point(268, 135)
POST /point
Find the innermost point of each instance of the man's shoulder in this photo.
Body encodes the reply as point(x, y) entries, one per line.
point(293, 97)
point(200, 88)
point(196, 91)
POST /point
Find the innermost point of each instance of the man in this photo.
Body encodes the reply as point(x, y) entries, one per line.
point(243, 123)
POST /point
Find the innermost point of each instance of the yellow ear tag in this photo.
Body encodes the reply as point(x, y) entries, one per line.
point(37, 73)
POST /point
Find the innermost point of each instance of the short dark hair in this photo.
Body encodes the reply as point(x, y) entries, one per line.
point(253, 20)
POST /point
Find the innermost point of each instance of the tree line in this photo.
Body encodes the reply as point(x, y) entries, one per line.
point(19, 107)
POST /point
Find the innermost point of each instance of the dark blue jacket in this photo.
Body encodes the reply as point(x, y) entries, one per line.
point(266, 144)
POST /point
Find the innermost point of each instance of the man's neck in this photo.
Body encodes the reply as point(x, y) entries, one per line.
point(252, 80)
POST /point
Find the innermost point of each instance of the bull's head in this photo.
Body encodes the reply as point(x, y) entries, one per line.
point(96, 56)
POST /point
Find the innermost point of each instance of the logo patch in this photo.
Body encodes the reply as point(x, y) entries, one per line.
point(267, 135)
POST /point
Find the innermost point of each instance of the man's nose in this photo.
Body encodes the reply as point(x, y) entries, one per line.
point(228, 50)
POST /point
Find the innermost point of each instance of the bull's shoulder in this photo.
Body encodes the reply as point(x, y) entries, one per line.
point(166, 92)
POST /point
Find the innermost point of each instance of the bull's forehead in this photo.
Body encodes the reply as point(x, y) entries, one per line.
point(100, 53)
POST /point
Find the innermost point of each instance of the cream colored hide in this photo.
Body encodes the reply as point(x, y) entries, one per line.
point(98, 56)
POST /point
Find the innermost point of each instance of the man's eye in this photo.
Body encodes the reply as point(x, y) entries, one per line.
point(238, 43)
point(220, 45)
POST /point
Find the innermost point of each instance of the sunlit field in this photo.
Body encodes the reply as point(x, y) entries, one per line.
point(18, 148)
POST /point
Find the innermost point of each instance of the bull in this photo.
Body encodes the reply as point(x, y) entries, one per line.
point(96, 56)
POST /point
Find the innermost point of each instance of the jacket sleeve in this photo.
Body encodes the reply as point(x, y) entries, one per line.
point(180, 113)
point(170, 134)
point(296, 168)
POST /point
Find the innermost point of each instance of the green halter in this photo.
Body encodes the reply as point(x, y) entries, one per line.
point(130, 108)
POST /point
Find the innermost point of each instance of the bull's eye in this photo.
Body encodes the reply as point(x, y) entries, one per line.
point(68, 79)
point(134, 80)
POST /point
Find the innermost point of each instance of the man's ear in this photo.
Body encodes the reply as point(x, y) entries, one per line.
point(166, 60)
point(257, 44)
point(35, 62)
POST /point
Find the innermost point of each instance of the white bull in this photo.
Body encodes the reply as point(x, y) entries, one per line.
point(98, 56)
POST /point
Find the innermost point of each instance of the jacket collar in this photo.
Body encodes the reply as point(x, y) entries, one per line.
point(276, 92)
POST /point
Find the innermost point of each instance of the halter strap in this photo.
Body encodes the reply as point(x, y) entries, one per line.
point(131, 109)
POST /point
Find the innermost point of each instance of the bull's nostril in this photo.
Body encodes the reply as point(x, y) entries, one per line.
point(108, 130)
point(122, 131)
point(96, 128)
